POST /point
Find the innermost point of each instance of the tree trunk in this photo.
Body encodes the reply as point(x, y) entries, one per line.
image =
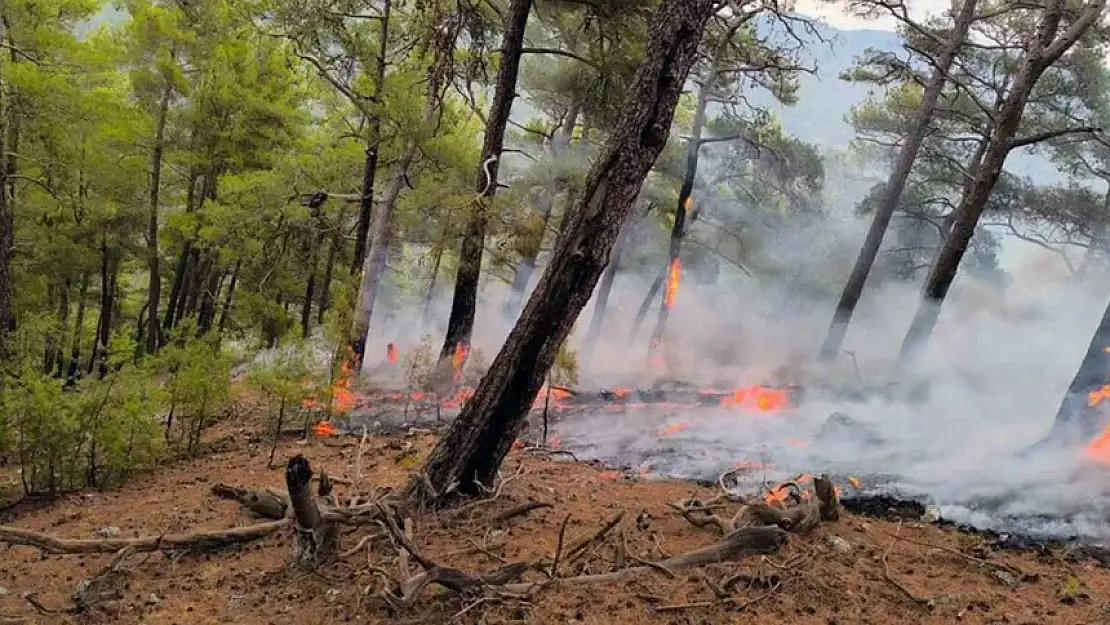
point(54, 358)
point(464, 302)
point(309, 288)
point(381, 237)
point(685, 193)
point(895, 184)
point(522, 275)
point(78, 329)
point(1081, 413)
point(206, 313)
point(108, 269)
point(7, 234)
point(429, 292)
point(471, 452)
point(226, 311)
point(370, 167)
point(154, 290)
point(333, 252)
point(645, 305)
point(1045, 50)
point(601, 301)
point(182, 269)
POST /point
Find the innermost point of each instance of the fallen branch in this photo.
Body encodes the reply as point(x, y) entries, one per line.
point(520, 510)
point(970, 558)
point(200, 541)
point(268, 504)
point(740, 604)
point(893, 582)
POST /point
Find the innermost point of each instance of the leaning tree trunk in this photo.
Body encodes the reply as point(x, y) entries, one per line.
point(154, 290)
point(895, 184)
point(471, 452)
point(7, 236)
point(522, 275)
point(464, 302)
point(601, 301)
point(1045, 50)
point(1082, 412)
point(370, 166)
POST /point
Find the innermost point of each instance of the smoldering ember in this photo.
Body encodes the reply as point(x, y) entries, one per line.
point(454, 311)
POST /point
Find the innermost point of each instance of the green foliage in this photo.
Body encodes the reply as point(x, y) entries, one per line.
point(197, 381)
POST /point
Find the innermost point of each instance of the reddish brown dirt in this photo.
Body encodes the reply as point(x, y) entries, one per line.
point(251, 585)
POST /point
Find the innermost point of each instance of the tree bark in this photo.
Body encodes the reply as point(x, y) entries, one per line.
point(1043, 51)
point(429, 292)
point(601, 301)
point(182, 269)
point(7, 233)
point(645, 305)
point(464, 302)
point(895, 184)
point(370, 167)
point(154, 290)
point(325, 286)
point(78, 329)
point(226, 310)
point(1081, 412)
point(522, 275)
point(473, 449)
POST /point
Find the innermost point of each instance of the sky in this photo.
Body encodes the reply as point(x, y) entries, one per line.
point(836, 16)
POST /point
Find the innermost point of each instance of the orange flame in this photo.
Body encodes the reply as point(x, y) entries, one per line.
point(762, 398)
point(557, 397)
point(620, 393)
point(343, 399)
point(1098, 450)
point(391, 353)
point(674, 276)
point(459, 398)
point(674, 428)
point(324, 429)
point(462, 350)
point(1096, 396)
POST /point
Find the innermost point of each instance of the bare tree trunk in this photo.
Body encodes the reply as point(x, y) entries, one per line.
point(333, 252)
point(108, 268)
point(7, 232)
point(181, 271)
point(464, 302)
point(54, 358)
point(645, 305)
point(154, 290)
point(429, 292)
point(522, 275)
point(310, 286)
point(1043, 51)
point(895, 184)
point(370, 168)
point(470, 454)
point(78, 329)
point(601, 301)
point(206, 312)
point(226, 310)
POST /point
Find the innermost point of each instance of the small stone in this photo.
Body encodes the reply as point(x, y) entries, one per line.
point(4, 592)
point(839, 545)
point(1009, 579)
point(235, 602)
point(153, 599)
point(331, 595)
point(108, 532)
point(931, 515)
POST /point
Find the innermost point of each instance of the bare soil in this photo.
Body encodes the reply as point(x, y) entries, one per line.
point(815, 579)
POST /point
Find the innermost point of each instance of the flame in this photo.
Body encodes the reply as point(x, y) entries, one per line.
point(1096, 396)
point(761, 398)
point(688, 203)
point(749, 465)
point(557, 397)
point(324, 429)
point(674, 428)
point(674, 275)
point(609, 475)
point(459, 398)
point(620, 393)
point(554, 442)
point(391, 353)
point(343, 399)
point(462, 350)
point(1098, 450)
point(854, 482)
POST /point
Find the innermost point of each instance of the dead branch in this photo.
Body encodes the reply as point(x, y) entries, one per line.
point(970, 558)
point(316, 538)
point(268, 504)
point(579, 545)
point(520, 510)
point(740, 604)
point(200, 541)
point(893, 582)
point(559, 547)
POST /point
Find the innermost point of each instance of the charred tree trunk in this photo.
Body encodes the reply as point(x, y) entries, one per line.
point(892, 191)
point(464, 302)
point(1045, 49)
point(316, 539)
point(78, 330)
point(1081, 414)
point(226, 310)
point(522, 275)
point(7, 232)
point(470, 454)
point(154, 290)
point(685, 193)
point(370, 167)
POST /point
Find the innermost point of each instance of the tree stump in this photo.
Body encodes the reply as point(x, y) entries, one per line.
point(316, 540)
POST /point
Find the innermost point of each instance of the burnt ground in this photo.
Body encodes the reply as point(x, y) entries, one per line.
point(860, 569)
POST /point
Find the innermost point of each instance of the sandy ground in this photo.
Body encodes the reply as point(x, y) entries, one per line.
point(833, 575)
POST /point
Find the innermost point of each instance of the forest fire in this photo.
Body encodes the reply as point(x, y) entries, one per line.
point(391, 354)
point(324, 429)
point(341, 399)
point(462, 350)
point(1098, 450)
point(674, 276)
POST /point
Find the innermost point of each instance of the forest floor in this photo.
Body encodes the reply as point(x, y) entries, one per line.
point(855, 570)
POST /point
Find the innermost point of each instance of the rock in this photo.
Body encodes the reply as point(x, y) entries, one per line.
point(331, 595)
point(4, 592)
point(839, 545)
point(108, 532)
point(153, 599)
point(1007, 578)
point(931, 515)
